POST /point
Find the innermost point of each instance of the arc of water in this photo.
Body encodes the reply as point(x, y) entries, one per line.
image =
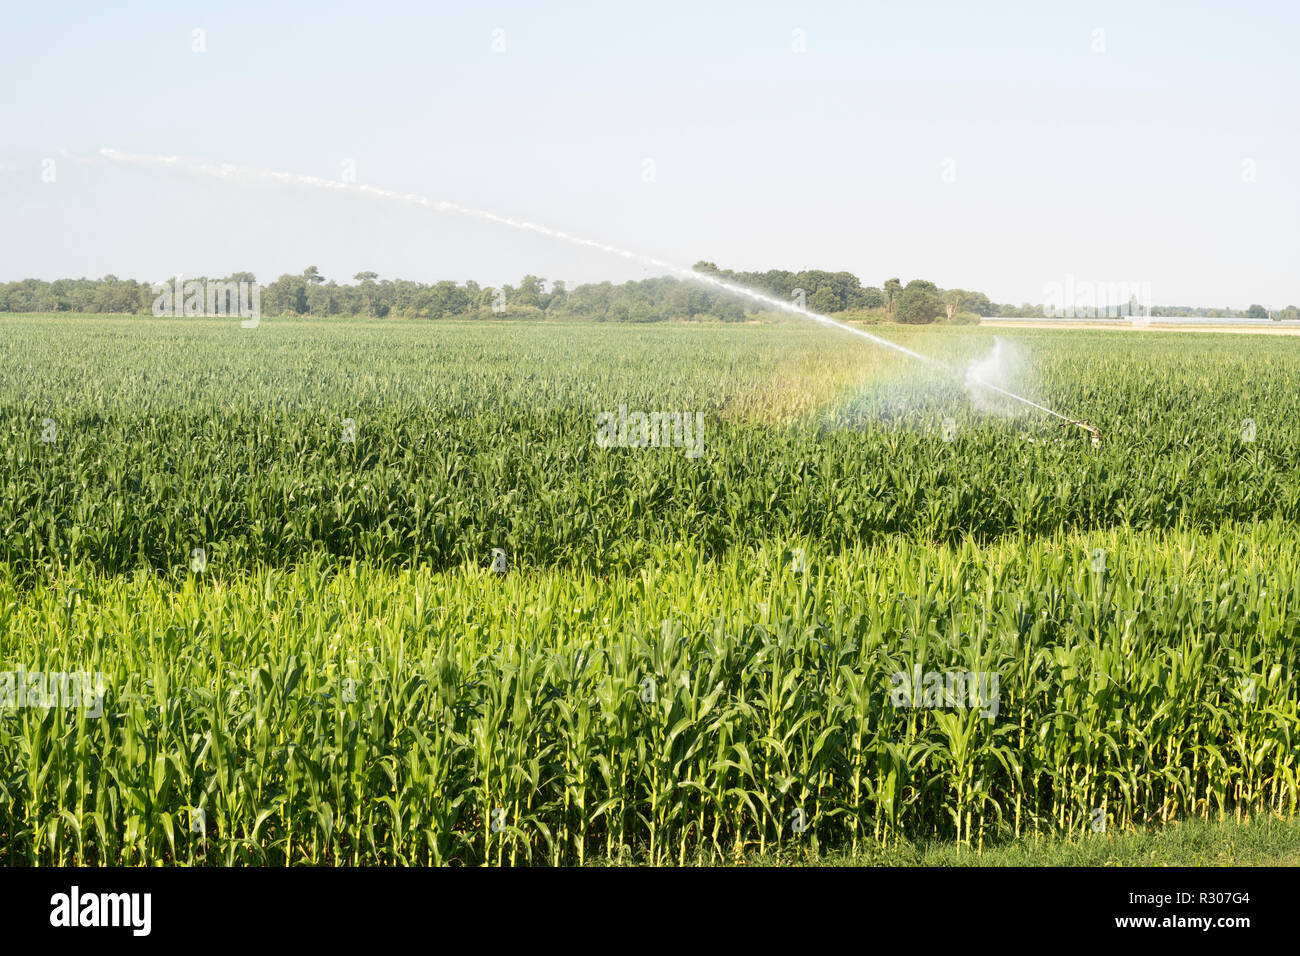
point(234, 173)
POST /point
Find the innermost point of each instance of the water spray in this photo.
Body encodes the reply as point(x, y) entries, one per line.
point(1066, 421)
point(994, 364)
point(239, 174)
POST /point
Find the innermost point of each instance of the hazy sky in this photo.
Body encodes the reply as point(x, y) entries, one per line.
point(1129, 164)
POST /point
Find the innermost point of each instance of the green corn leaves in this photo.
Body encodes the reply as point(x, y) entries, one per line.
point(561, 717)
point(865, 613)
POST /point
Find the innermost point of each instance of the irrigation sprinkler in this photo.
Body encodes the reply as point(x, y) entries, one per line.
point(1092, 430)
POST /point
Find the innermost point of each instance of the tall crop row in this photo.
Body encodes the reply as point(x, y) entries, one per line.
point(417, 444)
point(367, 716)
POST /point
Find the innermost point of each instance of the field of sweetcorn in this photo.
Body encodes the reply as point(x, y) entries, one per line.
point(372, 593)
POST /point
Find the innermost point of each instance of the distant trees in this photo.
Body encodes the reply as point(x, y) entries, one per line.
point(287, 295)
point(979, 303)
point(369, 303)
point(559, 295)
point(953, 300)
point(113, 295)
point(529, 294)
point(918, 303)
point(648, 300)
point(825, 292)
point(892, 288)
point(109, 294)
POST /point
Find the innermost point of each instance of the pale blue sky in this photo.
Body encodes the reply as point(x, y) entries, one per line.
point(1122, 165)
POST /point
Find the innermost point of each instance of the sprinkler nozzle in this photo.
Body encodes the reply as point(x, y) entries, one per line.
point(1092, 430)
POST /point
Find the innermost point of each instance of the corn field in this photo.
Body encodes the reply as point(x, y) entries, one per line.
point(371, 593)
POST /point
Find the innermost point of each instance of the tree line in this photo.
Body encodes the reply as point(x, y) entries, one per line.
point(647, 300)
